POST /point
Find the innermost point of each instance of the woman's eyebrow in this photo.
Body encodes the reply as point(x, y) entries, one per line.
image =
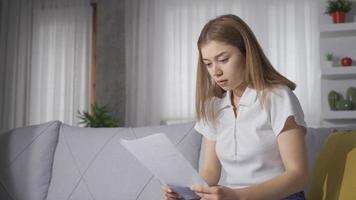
point(220, 54)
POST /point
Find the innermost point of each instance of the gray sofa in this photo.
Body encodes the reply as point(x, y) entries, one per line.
point(55, 161)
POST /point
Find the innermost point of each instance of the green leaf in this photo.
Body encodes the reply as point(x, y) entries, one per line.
point(339, 5)
point(100, 117)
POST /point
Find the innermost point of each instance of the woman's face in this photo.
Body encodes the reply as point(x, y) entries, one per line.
point(225, 64)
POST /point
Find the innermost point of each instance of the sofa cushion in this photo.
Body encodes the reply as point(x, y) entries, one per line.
point(86, 158)
point(26, 157)
point(90, 163)
point(334, 174)
point(188, 142)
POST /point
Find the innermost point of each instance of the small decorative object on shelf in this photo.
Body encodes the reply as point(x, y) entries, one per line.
point(338, 9)
point(337, 102)
point(346, 61)
point(329, 59)
point(351, 96)
point(333, 98)
point(343, 104)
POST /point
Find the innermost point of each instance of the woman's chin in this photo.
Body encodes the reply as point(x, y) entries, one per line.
point(225, 88)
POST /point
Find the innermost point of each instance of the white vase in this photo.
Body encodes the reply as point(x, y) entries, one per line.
point(329, 63)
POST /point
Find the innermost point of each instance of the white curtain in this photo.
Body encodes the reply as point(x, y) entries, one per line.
point(44, 61)
point(161, 52)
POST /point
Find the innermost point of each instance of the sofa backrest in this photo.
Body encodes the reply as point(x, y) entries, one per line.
point(26, 157)
point(90, 163)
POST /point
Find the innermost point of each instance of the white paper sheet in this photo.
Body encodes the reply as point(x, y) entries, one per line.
point(159, 155)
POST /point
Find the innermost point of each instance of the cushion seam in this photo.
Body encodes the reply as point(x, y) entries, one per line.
point(133, 132)
point(199, 148)
point(5, 189)
point(95, 157)
point(188, 133)
point(89, 165)
point(27, 146)
point(53, 154)
point(75, 164)
point(144, 187)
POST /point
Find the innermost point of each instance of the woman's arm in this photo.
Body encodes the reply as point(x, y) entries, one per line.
point(293, 153)
point(211, 169)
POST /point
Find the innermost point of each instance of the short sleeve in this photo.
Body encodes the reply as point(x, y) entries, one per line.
point(205, 129)
point(282, 104)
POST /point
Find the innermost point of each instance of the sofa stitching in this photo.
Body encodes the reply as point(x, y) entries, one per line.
point(152, 176)
point(144, 187)
point(89, 165)
point(6, 190)
point(110, 139)
point(19, 154)
point(75, 164)
point(188, 132)
point(27, 146)
point(133, 132)
point(95, 157)
point(75, 187)
point(59, 128)
point(87, 186)
point(199, 149)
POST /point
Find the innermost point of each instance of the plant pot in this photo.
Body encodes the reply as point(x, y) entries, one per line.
point(344, 105)
point(351, 96)
point(329, 63)
point(338, 17)
point(333, 98)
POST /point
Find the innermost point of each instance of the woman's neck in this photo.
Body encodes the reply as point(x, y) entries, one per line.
point(237, 93)
point(239, 90)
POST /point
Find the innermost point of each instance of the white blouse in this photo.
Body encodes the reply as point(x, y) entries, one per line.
point(247, 145)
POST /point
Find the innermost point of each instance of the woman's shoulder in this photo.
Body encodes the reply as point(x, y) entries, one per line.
point(279, 90)
point(279, 93)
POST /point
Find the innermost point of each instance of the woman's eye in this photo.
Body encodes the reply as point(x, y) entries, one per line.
point(224, 60)
point(207, 64)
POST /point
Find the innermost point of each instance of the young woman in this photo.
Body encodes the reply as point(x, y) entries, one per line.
point(252, 123)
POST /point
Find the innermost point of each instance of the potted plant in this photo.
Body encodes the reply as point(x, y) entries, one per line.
point(338, 9)
point(329, 59)
point(99, 117)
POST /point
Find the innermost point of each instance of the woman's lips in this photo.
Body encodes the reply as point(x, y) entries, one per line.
point(222, 82)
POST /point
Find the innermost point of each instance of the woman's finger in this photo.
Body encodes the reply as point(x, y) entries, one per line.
point(165, 188)
point(172, 197)
point(169, 193)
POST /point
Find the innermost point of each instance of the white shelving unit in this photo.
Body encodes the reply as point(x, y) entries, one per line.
point(337, 115)
point(338, 72)
point(339, 39)
point(337, 30)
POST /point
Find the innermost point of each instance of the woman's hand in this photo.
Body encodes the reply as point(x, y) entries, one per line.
point(169, 194)
point(214, 192)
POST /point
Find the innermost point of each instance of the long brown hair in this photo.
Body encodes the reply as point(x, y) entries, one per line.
point(258, 74)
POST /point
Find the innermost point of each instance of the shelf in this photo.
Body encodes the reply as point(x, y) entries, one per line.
point(338, 72)
point(337, 30)
point(348, 114)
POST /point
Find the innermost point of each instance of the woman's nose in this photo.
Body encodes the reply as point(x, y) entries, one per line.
point(217, 71)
